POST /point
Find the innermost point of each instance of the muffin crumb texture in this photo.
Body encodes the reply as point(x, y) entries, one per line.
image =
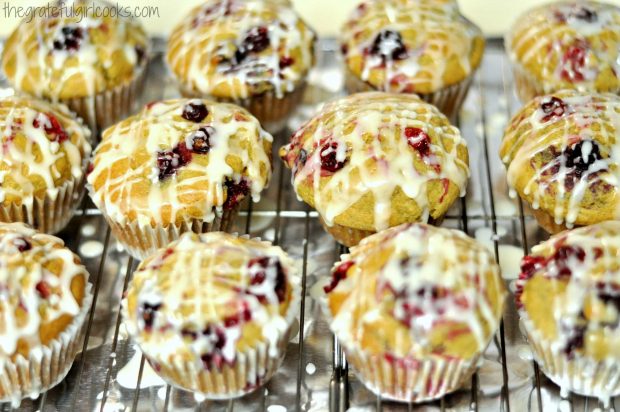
point(411, 46)
point(572, 45)
point(561, 154)
point(212, 312)
point(234, 49)
point(374, 160)
point(66, 57)
point(568, 297)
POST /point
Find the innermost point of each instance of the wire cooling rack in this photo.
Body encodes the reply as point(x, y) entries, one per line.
point(110, 375)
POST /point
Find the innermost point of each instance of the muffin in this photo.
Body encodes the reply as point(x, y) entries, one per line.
point(566, 45)
point(561, 158)
point(95, 65)
point(44, 299)
point(255, 53)
point(374, 160)
point(43, 161)
point(212, 313)
point(414, 307)
point(412, 46)
point(178, 165)
point(568, 297)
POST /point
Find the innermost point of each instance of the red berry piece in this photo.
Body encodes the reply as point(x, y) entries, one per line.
point(388, 44)
point(70, 39)
point(199, 140)
point(258, 268)
point(195, 112)
point(51, 126)
point(418, 140)
point(553, 108)
point(574, 61)
point(563, 258)
point(530, 265)
point(217, 337)
point(235, 192)
point(339, 274)
point(148, 312)
point(43, 289)
point(169, 162)
point(581, 156)
point(256, 40)
point(22, 244)
point(584, 13)
point(576, 339)
point(329, 157)
point(243, 316)
point(286, 61)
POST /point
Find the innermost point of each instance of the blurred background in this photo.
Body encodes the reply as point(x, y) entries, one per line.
point(326, 16)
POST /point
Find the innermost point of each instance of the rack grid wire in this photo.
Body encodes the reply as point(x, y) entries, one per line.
point(110, 375)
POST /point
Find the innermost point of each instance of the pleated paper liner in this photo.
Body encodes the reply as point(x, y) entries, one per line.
point(50, 213)
point(142, 241)
point(577, 373)
point(45, 367)
point(271, 111)
point(448, 100)
point(249, 370)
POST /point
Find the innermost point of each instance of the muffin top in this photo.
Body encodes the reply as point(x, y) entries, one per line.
point(412, 46)
point(572, 45)
point(43, 288)
point(568, 293)
point(43, 147)
point(210, 296)
point(73, 53)
point(178, 160)
point(374, 160)
point(240, 48)
point(416, 290)
point(562, 156)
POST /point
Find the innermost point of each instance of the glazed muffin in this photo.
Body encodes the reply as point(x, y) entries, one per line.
point(213, 312)
point(374, 160)
point(561, 157)
point(414, 307)
point(566, 45)
point(45, 153)
point(568, 296)
point(178, 165)
point(95, 65)
point(44, 299)
point(255, 53)
point(412, 46)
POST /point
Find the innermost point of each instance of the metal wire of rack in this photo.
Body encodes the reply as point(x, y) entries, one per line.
point(315, 375)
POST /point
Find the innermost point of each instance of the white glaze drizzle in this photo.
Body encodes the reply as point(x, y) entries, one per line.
point(21, 272)
point(58, 71)
point(439, 32)
point(423, 258)
point(351, 120)
point(592, 273)
point(160, 127)
point(597, 119)
point(211, 275)
point(37, 159)
point(218, 27)
point(542, 36)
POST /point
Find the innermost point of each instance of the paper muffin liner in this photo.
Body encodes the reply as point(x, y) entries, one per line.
point(48, 214)
point(580, 374)
point(448, 100)
point(46, 366)
point(142, 241)
point(403, 380)
point(410, 380)
point(110, 106)
point(250, 369)
point(271, 111)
